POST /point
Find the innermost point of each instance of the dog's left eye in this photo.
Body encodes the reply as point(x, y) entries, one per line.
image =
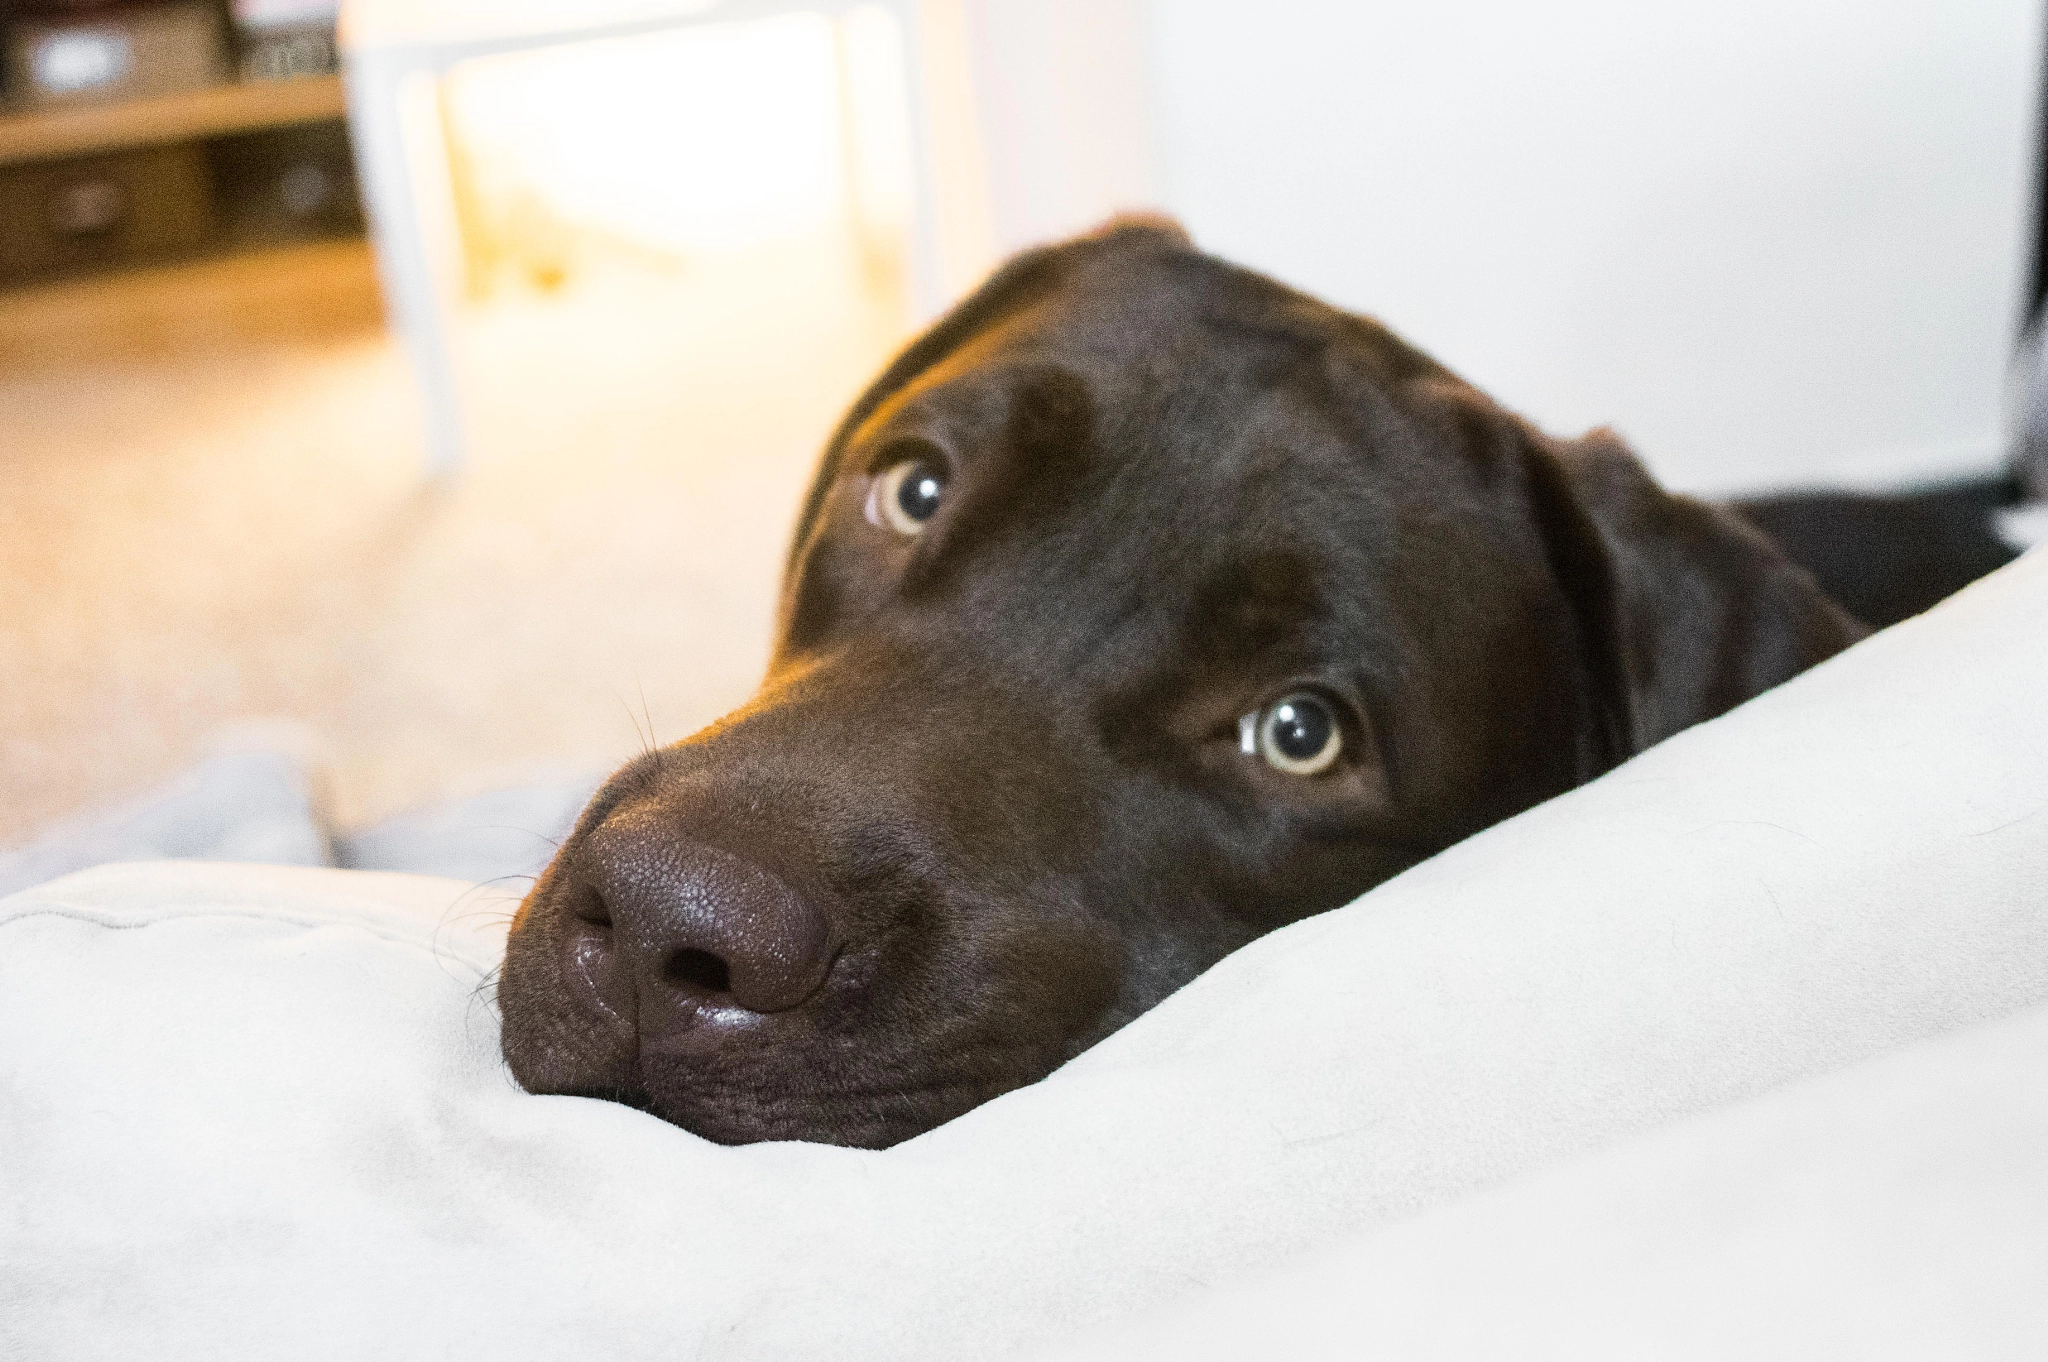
point(1298, 735)
point(906, 495)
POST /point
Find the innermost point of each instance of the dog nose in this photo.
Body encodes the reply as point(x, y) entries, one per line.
point(695, 926)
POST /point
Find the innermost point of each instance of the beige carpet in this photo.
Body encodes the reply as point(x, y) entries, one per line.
point(212, 508)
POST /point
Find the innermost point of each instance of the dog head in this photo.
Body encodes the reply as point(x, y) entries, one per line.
point(1141, 607)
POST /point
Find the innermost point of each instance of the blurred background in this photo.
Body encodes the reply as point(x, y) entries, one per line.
point(504, 497)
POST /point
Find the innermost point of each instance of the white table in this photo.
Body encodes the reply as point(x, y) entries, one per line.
point(397, 51)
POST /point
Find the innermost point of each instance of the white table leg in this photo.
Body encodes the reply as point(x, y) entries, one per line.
point(401, 152)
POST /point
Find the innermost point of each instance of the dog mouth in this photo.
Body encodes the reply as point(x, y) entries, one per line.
point(735, 1104)
point(860, 1117)
point(871, 1118)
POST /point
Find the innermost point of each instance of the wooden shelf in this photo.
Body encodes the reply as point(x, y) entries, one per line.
point(47, 134)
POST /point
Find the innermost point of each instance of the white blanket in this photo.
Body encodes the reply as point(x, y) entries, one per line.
point(258, 1112)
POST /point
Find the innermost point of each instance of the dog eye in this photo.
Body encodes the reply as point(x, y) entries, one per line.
point(906, 495)
point(1298, 735)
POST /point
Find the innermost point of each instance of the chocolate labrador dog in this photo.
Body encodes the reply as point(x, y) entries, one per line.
point(1141, 607)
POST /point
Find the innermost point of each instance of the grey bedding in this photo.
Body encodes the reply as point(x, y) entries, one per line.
point(258, 799)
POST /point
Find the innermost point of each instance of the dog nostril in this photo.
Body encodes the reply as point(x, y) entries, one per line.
point(700, 970)
point(589, 906)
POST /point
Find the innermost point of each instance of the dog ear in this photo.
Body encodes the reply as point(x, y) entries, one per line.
point(1684, 609)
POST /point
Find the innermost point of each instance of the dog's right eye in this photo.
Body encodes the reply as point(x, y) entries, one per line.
point(1298, 736)
point(906, 495)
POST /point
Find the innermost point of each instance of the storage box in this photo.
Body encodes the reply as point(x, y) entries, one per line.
point(129, 208)
point(288, 53)
point(121, 54)
point(284, 39)
point(286, 183)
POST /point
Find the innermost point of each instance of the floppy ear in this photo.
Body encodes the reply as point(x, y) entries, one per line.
point(1684, 609)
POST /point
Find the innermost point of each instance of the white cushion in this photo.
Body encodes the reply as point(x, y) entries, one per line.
point(1897, 1209)
point(259, 1112)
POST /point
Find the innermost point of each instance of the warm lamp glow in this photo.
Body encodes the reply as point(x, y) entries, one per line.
point(711, 139)
point(876, 124)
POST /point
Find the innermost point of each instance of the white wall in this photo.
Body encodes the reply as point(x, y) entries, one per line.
point(1773, 241)
point(1066, 111)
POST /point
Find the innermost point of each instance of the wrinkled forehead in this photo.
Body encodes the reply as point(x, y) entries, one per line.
point(1184, 434)
point(1154, 435)
point(1164, 342)
point(1148, 354)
